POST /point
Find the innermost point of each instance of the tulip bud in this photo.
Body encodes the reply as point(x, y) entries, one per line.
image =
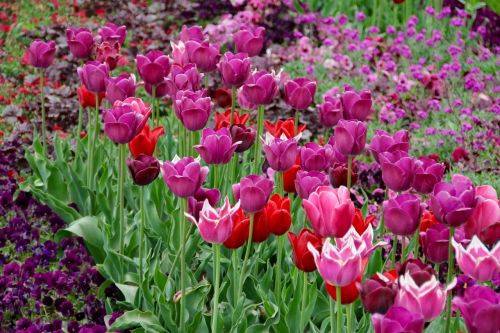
point(41, 54)
point(253, 191)
point(216, 147)
point(249, 40)
point(80, 42)
point(244, 135)
point(144, 169)
point(302, 257)
point(402, 214)
point(350, 137)
point(299, 93)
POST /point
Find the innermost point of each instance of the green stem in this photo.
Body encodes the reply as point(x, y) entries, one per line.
point(216, 248)
point(42, 96)
point(403, 257)
point(350, 317)
point(141, 240)
point(95, 136)
point(121, 193)
point(78, 130)
point(235, 259)
point(393, 252)
point(296, 121)
point(216, 175)
point(247, 254)
point(233, 103)
point(449, 277)
point(153, 104)
point(417, 242)
point(303, 304)
point(277, 282)
point(332, 316)
point(206, 80)
point(349, 168)
point(257, 152)
point(178, 253)
point(182, 221)
point(339, 309)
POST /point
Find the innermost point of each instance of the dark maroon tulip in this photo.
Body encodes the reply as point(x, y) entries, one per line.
point(204, 55)
point(378, 293)
point(196, 202)
point(398, 320)
point(435, 242)
point(330, 112)
point(419, 271)
point(397, 170)
point(428, 173)
point(402, 214)
point(316, 157)
point(350, 137)
point(338, 174)
point(41, 54)
point(249, 40)
point(109, 53)
point(153, 67)
point(234, 69)
point(383, 142)
point(302, 257)
point(453, 203)
point(183, 78)
point(113, 33)
point(260, 88)
point(356, 105)
point(120, 87)
point(93, 76)
point(144, 169)
point(194, 32)
point(299, 92)
point(243, 134)
point(80, 42)
point(307, 182)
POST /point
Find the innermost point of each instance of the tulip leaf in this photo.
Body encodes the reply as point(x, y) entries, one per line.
point(135, 318)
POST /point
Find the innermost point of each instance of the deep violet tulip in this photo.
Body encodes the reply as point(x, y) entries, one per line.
point(428, 173)
point(113, 33)
point(120, 87)
point(41, 54)
point(350, 137)
point(234, 69)
point(144, 169)
point(93, 76)
point(402, 214)
point(280, 152)
point(314, 157)
point(260, 88)
point(397, 170)
point(244, 135)
point(153, 67)
point(216, 147)
point(193, 108)
point(307, 182)
point(384, 142)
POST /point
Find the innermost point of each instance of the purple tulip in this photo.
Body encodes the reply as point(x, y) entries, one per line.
point(204, 55)
point(80, 42)
point(244, 135)
point(377, 294)
point(428, 173)
point(234, 69)
point(253, 191)
point(260, 88)
point(195, 203)
point(113, 33)
point(307, 182)
point(161, 89)
point(144, 169)
point(153, 67)
point(183, 78)
point(184, 176)
point(402, 214)
point(120, 87)
point(249, 40)
point(480, 308)
point(193, 108)
point(435, 243)
point(314, 157)
point(281, 153)
point(330, 112)
point(397, 170)
point(93, 76)
point(383, 142)
point(299, 92)
point(216, 147)
point(453, 203)
point(194, 32)
point(398, 320)
point(356, 106)
point(41, 54)
point(350, 137)
point(122, 123)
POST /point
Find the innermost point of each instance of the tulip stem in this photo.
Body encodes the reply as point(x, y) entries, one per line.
point(277, 282)
point(141, 240)
point(216, 175)
point(182, 221)
point(303, 304)
point(449, 277)
point(403, 257)
point(233, 103)
point(332, 315)
point(349, 317)
point(153, 104)
point(90, 183)
point(216, 270)
point(349, 168)
point(339, 309)
point(235, 258)
point(42, 97)
point(121, 193)
point(78, 130)
point(393, 251)
point(417, 242)
point(247, 254)
point(257, 152)
point(296, 122)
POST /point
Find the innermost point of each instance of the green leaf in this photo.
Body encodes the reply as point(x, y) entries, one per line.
point(494, 5)
point(137, 318)
point(128, 291)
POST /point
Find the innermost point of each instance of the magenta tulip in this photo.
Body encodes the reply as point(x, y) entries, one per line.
point(119, 88)
point(41, 54)
point(234, 69)
point(428, 173)
point(194, 32)
point(350, 137)
point(153, 67)
point(184, 176)
point(330, 112)
point(195, 203)
point(193, 108)
point(113, 33)
point(356, 105)
point(299, 92)
point(397, 170)
point(80, 42)
point(124, 121)
point(485, 220)
point(93, 75)
point(307, 182)
point(398, 320)
point(216, 147)
point(281, 153)
point(253, 191)
point(314, 157)
point(383, 142)
point(203, 54)
point(183, 78)
point(435, 243)
point(402, 214)
point(260, 88)
point(249, 40)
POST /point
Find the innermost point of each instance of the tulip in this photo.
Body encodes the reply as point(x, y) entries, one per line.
point(179, 53)
point(286, 127)
point(398, 320)
point(359, 223)
point(485, 220)
point(80, 42)
point(193, 108)
point(419, 272)
point(223, 119)
point(194, 32)
point(183, 78)
point(402, 214)
point(41, 54)
point(330, 211)
point(120, 87)
point(289, 178)
point(113, 33)
point(203, 54)
point(216, 147)
point(348, 294)
point(239, 234)
point(160, 89)
point(108, 53)
point(427, 174)
point(330, 112)
point(363, 242)
point(243, 136)
point(195, 203)
point(260, 88)
point(144, 169)
point(397, 170)
point(339, 173)
point(254, 192)
point(453, 203)
point(299, 93)
point(278, 214)
point(93, 76)
point(249, 40)
point(350, 137)
point(314, 157)
point(302, 257)
point(480, 308)
point(215, 225)
point(153, 67)
point(378, 293)
point(280, 152)
point(234, 69)
point(356, 106)
point(428, 298)
point(261, 230)
point(383, 142)
point(337, 266)
point(122, 123)
point(306, 182)
point(477, 261)
point(184, 176)
point(87, 98)
point(435, 241)
point(145, 141)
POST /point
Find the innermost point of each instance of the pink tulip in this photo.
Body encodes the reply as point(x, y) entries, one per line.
point(477, 261)
point(330, 211)
point(338, 266)
point(363, 242)
point(215, 225)
point(485, 220)
point(179, 53)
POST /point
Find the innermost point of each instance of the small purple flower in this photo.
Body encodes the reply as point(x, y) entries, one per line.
point(216, 147)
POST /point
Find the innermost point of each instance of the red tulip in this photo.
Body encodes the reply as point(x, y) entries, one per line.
point(278, 214)
point(222, 97)
point(302, 258)
point(223, 119)
point(348, 294)
point(239, 235)
point(87, 98)
point(261, 226)
point(289, 177)
point(361, 224)
point(145, 141)
point(286, 127)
